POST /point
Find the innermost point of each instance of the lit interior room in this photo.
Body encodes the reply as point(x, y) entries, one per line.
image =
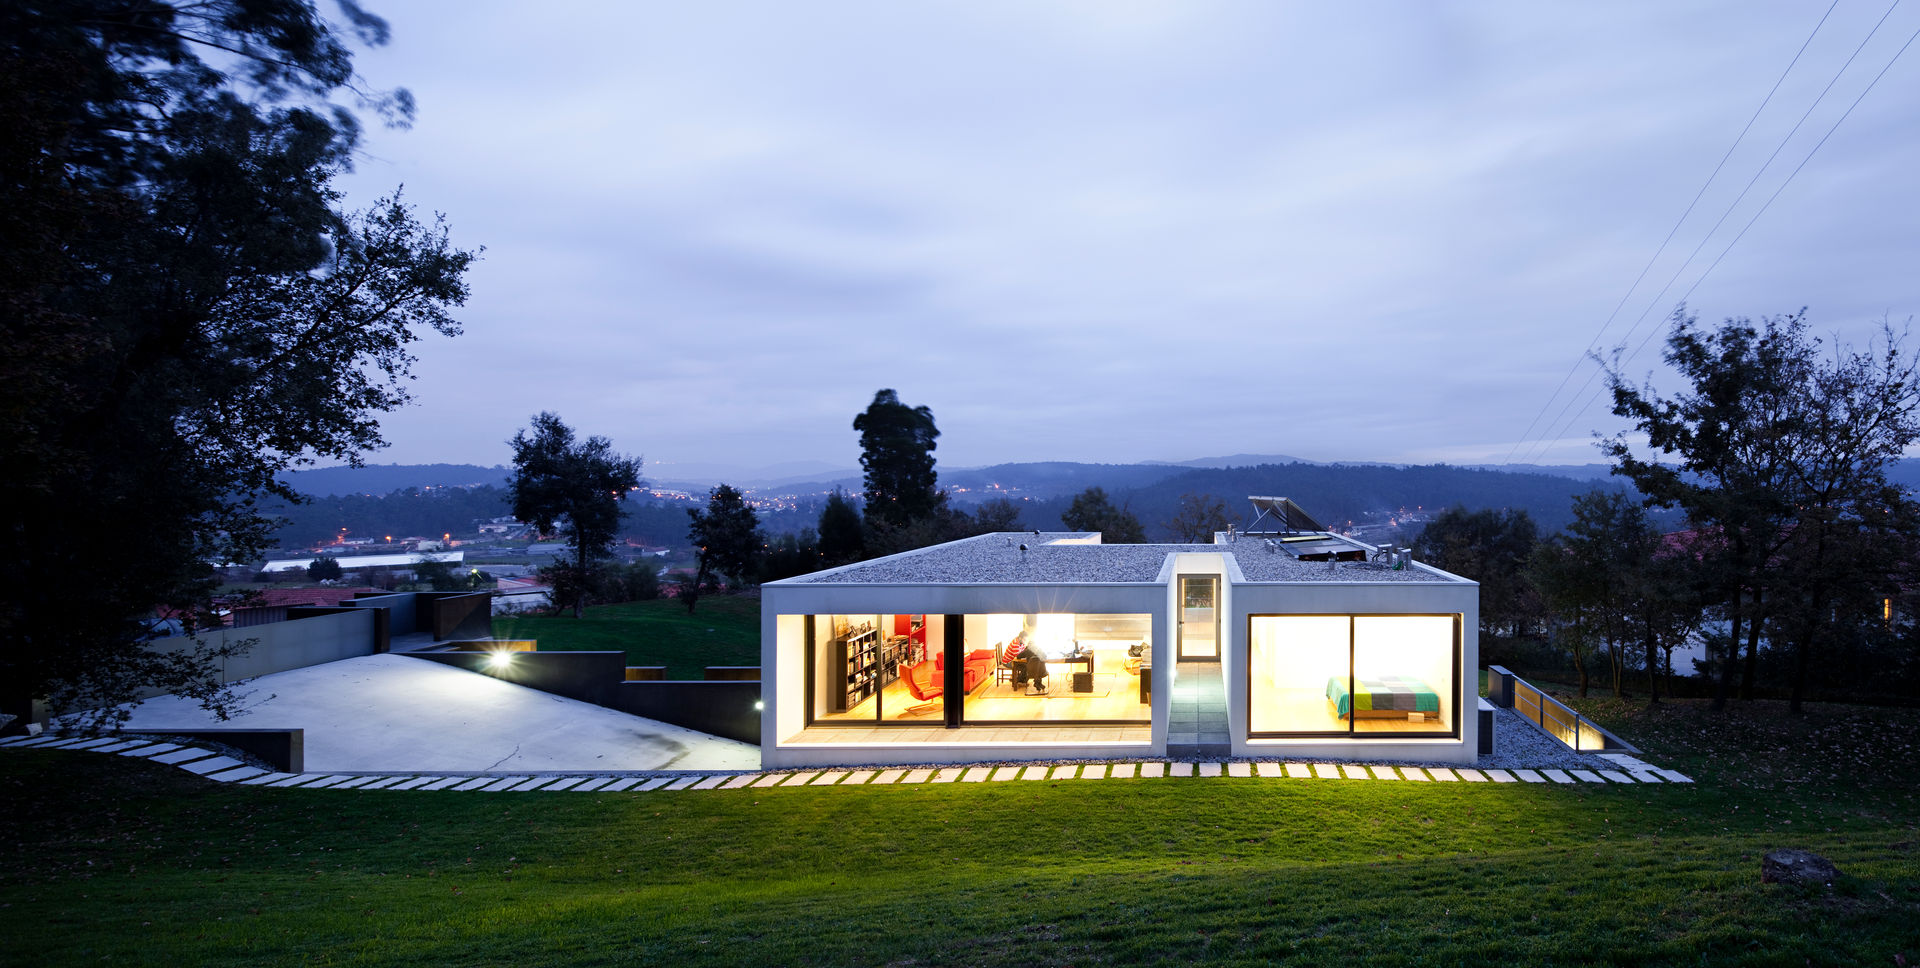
point(1352, 674)
point(891, 669)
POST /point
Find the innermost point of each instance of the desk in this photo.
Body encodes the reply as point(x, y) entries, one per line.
point(1073, 677)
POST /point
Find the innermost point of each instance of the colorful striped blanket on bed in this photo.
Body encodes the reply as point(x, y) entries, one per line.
point(1385, 693)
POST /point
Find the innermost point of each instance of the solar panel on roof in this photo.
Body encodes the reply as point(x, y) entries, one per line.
point(1280, 515)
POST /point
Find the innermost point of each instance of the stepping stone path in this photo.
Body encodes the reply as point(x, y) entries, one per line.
point(1625, 769)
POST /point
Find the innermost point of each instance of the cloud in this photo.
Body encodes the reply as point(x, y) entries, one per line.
point(1106, 231)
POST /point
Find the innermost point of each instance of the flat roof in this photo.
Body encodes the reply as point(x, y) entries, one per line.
point(1074, 558)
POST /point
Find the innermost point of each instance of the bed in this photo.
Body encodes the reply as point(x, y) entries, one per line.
point(1386, 697)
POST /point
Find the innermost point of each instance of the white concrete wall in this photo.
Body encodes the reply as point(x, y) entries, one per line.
point(783, 658)
point(1384, 598)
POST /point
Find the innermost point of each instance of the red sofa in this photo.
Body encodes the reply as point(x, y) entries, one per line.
point(979, 667)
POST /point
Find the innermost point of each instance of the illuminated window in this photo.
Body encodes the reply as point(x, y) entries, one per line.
point(891, 670)
point(1367, 676)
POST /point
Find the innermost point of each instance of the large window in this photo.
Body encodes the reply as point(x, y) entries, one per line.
point(891, 670)
point(1371, 676)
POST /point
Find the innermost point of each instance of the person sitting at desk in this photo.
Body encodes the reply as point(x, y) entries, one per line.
point(1022, 650)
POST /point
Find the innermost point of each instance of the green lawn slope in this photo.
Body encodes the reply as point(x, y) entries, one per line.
point(111, 861)
point(724, 630)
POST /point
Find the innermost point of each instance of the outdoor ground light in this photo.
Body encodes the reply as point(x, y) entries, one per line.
point(501, 659)
point(759, 704)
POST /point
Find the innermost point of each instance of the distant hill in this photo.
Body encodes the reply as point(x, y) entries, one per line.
point(387, 478)
point(1339, 493)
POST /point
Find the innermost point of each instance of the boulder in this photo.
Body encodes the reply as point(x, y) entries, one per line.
point(1796, 867)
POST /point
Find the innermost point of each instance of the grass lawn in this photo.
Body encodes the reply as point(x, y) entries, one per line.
point(723, 630)
point(111, 861)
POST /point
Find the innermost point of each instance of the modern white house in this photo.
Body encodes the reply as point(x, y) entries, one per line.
point(1322, 647)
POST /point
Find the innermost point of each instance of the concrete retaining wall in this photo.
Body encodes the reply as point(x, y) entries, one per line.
point(457, 615)
point(305, 639)
point(723, 708)
point(401, 609)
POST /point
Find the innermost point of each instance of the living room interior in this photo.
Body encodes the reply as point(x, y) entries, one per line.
point(890, 669)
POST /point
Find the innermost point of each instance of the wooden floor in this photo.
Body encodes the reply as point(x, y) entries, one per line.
point(1141, 735)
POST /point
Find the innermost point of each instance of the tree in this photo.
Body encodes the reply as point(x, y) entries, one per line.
point(727, 536)
point(997, 514)
point(1199, 518)
point(577, 487)
point(1850, 523)
point(1490, 547)
point(790, 555)
point(1593, 576)
point(440, 576)
point(1091, 510)
point(841, 540)
point(896, 456)
point(324, 569)
point(1781, 458)
point(187, 314)
point(635, 581)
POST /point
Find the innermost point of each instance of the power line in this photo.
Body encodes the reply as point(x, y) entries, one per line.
point(1770, 199)
point(1560, 426)
point(1671, 232)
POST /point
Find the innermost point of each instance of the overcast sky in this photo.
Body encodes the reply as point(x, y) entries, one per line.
point(1112, 231)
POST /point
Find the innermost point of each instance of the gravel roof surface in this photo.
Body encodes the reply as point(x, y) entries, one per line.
point(1518, 743)
point(998, 559)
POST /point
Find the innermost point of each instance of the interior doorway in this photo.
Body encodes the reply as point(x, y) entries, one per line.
point(1199, 633)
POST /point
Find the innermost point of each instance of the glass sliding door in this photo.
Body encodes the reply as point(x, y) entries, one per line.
point(892, 670)
point(1362, 676)
point(1199, 618)
point(1296, 662)
point(1403, 670)
point(876, 669)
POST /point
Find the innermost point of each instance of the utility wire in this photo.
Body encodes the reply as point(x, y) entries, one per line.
point(1568, 412)
point(1770, 199)
point(1670, 233)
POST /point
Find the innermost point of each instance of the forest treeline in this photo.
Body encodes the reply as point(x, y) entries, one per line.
point(1336, 493)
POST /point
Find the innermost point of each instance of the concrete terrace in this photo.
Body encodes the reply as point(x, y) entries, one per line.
point(384, 713)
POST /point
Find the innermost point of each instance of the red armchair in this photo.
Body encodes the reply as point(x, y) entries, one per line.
point(926, 684)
